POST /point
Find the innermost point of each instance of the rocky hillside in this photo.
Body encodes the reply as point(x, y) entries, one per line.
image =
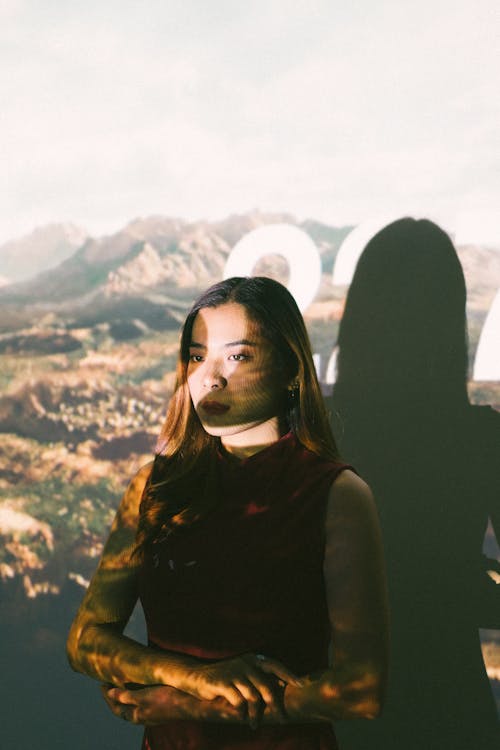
point(87, 353)
point(151, 266)
point(44, 248)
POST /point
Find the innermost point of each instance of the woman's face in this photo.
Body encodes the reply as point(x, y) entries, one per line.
point(235, 378)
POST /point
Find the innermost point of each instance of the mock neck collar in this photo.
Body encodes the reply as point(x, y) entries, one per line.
point(271, 451)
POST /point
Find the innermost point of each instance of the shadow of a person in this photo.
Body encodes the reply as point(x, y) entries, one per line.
point(403, 418)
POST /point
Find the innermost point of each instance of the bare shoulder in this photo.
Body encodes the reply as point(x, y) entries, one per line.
point(350, 496)
point(349, 487)
point(128, 512)
point(123, 530)
point(138, 481)
point(112, 593)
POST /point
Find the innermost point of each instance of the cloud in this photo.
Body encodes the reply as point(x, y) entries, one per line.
point(338, 113)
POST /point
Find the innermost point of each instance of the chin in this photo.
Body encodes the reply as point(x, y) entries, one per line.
point(221, 430)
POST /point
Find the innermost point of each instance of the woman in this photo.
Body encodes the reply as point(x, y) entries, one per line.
point(251, 547)
point(432, 460)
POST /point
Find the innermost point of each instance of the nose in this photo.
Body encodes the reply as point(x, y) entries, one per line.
point(213, 378)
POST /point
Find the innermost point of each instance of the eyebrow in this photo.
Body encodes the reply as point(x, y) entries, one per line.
point(241, 342)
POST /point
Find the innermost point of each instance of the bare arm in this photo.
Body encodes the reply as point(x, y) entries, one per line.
point(355, 586)
point(96, 644)
point(97, 647)
point(354, 685)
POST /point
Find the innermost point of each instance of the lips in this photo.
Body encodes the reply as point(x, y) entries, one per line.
point(214, 407)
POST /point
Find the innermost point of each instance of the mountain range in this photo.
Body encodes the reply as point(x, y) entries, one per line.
point(148, 271)
point(88, 345)
point(144, 277)
point(44, 248)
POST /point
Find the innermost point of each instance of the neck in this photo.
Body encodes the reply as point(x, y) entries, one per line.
point(247, 442)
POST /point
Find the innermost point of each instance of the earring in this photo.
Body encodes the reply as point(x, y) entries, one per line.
point(293, 393)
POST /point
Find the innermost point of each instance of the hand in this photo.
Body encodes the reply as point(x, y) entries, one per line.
point(250, 683)
point(148, 705)
point(159, 703)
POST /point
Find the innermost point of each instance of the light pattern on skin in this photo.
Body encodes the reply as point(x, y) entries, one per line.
point(232, 364)
point(353, 686)
point(243, 689)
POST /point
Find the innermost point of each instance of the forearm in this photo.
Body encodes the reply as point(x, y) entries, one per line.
point(330, 695)
point(352, 691)
point(160, 704)
point(101, 651)
point(180, 705)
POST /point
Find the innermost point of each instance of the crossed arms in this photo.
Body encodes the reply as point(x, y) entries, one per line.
point(248, 688)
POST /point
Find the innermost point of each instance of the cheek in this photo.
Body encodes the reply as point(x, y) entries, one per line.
point(263, 387)
point(272, 380)
point(253, 383)
point(193, 384)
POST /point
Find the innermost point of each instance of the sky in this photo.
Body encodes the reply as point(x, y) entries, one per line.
point(336, 111)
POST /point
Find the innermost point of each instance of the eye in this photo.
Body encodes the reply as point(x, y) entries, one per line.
point(195, 358)
point(238, 357)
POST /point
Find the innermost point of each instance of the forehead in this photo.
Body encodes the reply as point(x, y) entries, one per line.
point(225, 323)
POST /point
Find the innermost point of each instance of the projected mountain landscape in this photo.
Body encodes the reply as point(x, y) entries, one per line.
point(88, 340)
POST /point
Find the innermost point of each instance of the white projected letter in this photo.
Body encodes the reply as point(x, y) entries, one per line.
point(293, 244)
point(331, 369)
point(487, 361)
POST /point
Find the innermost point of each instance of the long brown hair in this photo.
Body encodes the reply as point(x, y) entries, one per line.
point(186, 451)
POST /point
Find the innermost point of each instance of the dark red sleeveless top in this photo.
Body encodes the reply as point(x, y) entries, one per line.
point(247, 578)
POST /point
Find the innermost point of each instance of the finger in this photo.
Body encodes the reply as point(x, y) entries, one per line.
point(273, 666)
point(120, 695)
point(117, 709)
point(134, 716)
point(127, 713)
point(234, 697)
point(104, 690)
point(254, 701)
point(271, 693)
point(115, 706)
point(268, 687)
